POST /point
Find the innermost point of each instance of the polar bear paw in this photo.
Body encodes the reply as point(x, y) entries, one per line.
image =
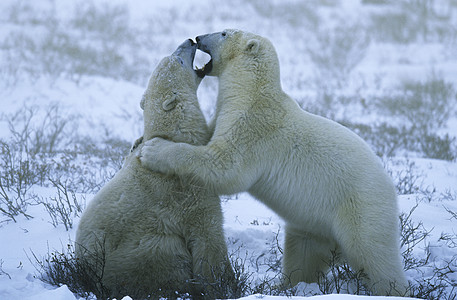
point(157, 155)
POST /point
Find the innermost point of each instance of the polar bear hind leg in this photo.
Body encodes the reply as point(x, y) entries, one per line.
point(374, 253)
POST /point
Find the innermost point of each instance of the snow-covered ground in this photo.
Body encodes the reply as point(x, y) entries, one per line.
point(91, 61)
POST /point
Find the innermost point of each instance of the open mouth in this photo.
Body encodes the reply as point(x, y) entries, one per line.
point(202, 63)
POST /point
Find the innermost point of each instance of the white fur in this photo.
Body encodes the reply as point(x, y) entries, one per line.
point(156, 231)
point(319, 176)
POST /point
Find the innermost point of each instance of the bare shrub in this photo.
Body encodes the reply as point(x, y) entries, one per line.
point(390, 140)
point(413, 20)
point(435, 280)
point(82, 276)
point(296, 14)
point(64, 207)
point(425, 106)
point(411, 236)
point(340, 278)
point(385, 139)
point(16, 178)
point(95, 41)
point(1, 270)
point(35, 130)
point(438, 147)
point(408, 180)
point(336, 52)
point(24, 158)
point(12, 206)
point(45, 149)
point(230, 282)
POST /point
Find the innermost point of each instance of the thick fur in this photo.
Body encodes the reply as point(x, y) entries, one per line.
point(154, 231)
point(324, 180)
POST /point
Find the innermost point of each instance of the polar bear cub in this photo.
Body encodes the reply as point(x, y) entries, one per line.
point(158, 235)
point(320, 177)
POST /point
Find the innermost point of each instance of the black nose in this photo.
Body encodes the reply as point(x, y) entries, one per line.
point(191, 42)
point(198, 39)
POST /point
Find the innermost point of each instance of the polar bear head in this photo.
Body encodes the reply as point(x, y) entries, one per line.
point(170, 103)
point(239, 49)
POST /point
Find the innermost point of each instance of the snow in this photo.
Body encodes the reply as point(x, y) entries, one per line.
point(324, 297)
point(102, 106)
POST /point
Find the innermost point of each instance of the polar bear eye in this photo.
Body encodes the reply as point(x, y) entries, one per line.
point(224, 33)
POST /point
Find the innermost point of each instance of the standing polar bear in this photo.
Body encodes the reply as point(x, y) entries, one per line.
point(324, 180)
point(158, 235)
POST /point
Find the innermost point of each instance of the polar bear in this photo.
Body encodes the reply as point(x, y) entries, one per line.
point(320, 177)
point(157, 234)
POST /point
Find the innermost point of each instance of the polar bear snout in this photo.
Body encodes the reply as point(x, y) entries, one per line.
point(186, 52)
point(200, 43)
point(205, 43)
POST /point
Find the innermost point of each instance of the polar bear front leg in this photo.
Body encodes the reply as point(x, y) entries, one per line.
point(160, 155)
point(306, 256)
point(220, 166)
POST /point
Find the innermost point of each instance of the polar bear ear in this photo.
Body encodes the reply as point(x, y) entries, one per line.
point(143, 99)
point(252, 46)
point(170, 102)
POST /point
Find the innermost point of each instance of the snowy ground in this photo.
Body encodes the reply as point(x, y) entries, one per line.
point(92, 60)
